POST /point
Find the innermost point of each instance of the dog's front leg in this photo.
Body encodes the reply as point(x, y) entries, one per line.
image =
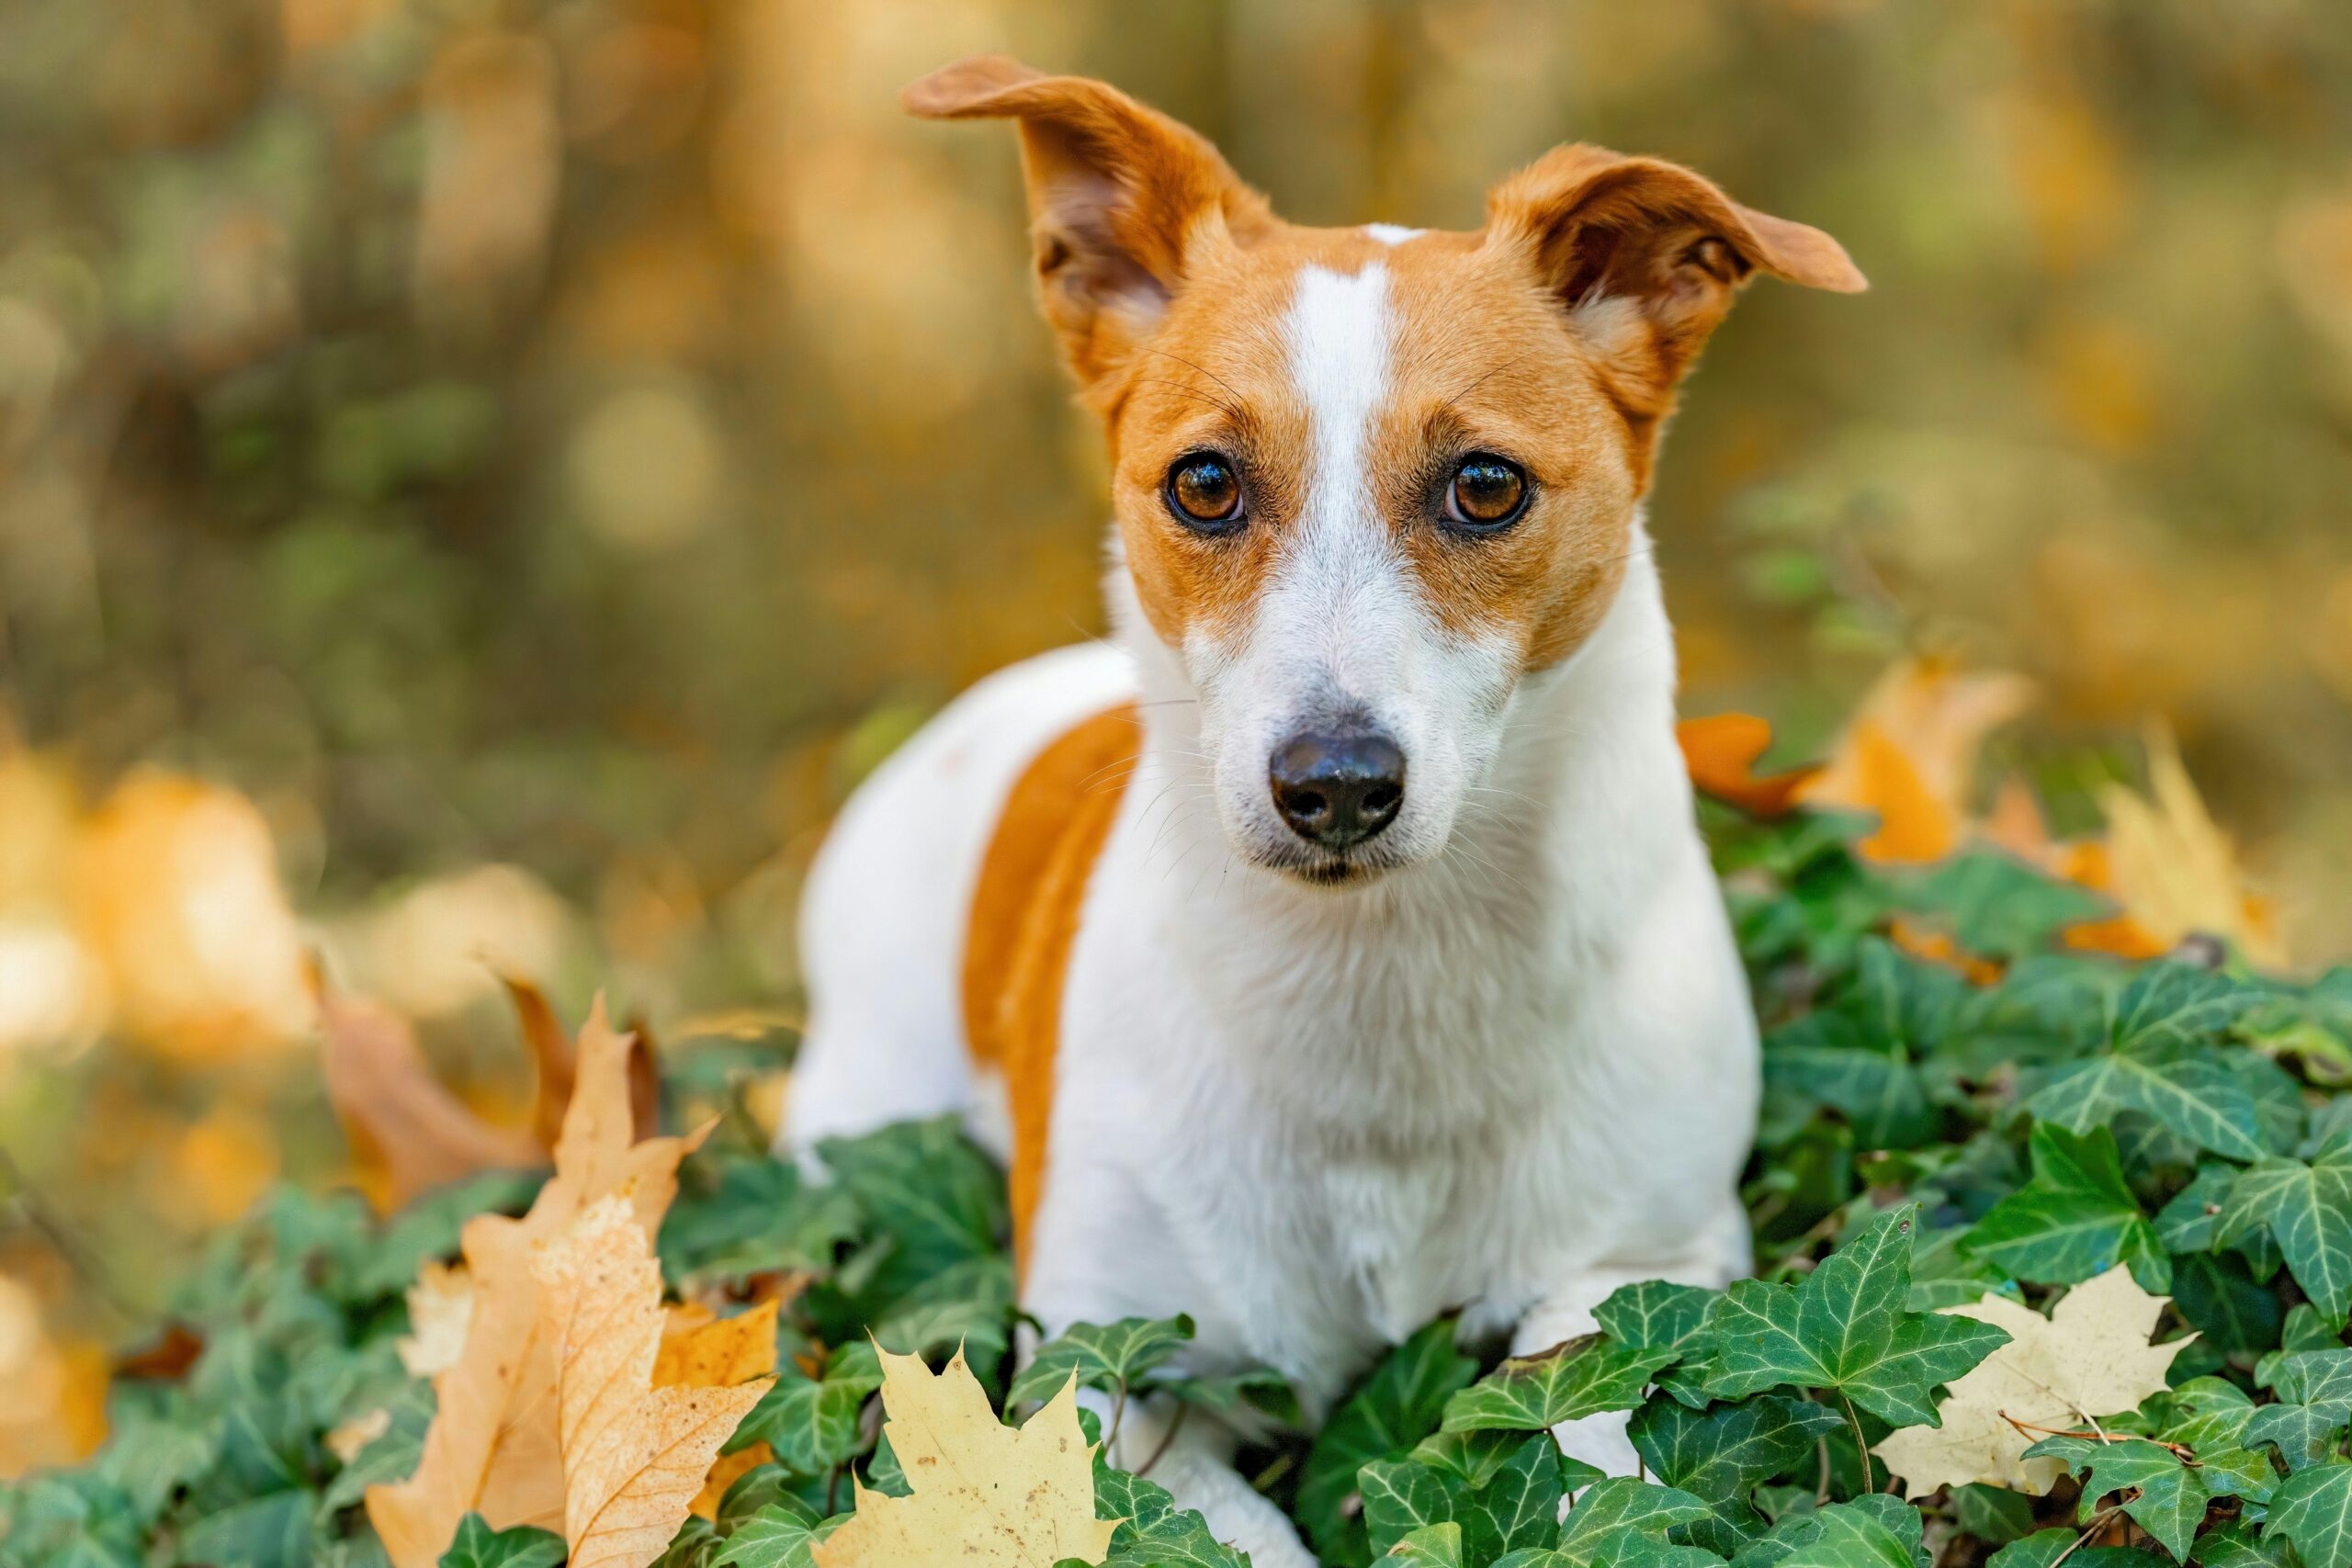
point(1720, 1255)
point(1191, 1455)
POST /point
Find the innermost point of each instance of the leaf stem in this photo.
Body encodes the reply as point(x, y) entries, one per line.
point(1175, 1425)
point(1861, 1444)
point(2088, 1531)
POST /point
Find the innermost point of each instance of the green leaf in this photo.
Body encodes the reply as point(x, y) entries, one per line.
point(1432, 1546)
point(2307, 1424)
point(2000, 906)
point(1575, 1379)
point(1258, 1390)
point(1109, 1357)
point(1655, 1316)
point(1153, 1533)
point(1847, 1326)
point(2074, 1220)
point(1518, 1507)
point(1401, 1403)
point(1857, 1055)
point(777, 1536)
point(2308, 1207)
point(812, 1423)
point(1719, 1454)
point(1622, 1504)
point(479, 1546)
point(1993, 1515)
point(272, 1531)
point(926, 1187)
point(2170, 1498)
point(2193, 1098)
point(1476, 1456)
point(1854, 1537)
point(2312, 1508)
point(2044, 1548)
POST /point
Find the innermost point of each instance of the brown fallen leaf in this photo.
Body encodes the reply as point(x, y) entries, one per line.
point(634, 1455)
point(407, 1131)
point(984, 1493)
point(1720, 752)
point(492, 1447)
point(346, 1441)
point(718, 1352)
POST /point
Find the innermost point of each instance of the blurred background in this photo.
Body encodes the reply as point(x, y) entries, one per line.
point(479, 480)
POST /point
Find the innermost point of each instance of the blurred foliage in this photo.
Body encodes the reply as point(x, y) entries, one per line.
point(532, 456)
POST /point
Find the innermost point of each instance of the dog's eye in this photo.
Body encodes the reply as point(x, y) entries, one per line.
point(1205, 493)
point(1486, 492)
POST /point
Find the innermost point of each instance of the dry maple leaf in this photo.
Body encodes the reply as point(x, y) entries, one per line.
point(2090, 1357)
point(1909, 755)
point(492, 1446)
point(1720, 753)
point(983, 1494)
point(551, 1057)
point(634, 1454)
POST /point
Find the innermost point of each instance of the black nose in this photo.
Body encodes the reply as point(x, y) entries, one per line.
point(1340, 789)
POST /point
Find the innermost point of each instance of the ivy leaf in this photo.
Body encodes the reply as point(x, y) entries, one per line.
point(2314, 1390)
point(1432, 1546)
point(2308, 1207)
point(2000, 906)
point(1655, 1316)
point(2312, 1508)
point(1401, 1403)
point(1623, 1503)
point(1476, 1456)
point(1859, 1054)
point(812, 1423)
point(2076, 1218)
point(1519, 1506)
point(2171, 1496)
point(776, 1535)
point(1853, 1536)
point(2191, 1097)
point(1719, 1454)
point(1111, 1357)
point(1153, 1531)
point(1847, 1326)
point(270, 1531)
point(479, 1546)
point(1574, 1379)
point(2044, 1549)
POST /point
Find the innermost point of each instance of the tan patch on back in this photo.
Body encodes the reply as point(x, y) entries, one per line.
point(1025, 920)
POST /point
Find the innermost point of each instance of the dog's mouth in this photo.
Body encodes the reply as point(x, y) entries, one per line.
point(1328, 869)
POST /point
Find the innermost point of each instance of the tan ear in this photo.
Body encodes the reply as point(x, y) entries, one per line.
point(1123, 200)
point(1666, 244)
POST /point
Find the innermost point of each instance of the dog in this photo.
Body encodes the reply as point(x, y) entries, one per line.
point(1334, 945)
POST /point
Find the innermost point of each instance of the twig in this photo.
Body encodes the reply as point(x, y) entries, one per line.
point(1821, 1486)
point(2089, 1531)
point(2179, 1450)
point(1174, 1426)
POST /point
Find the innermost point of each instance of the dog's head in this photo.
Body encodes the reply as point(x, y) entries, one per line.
point(1367, 480)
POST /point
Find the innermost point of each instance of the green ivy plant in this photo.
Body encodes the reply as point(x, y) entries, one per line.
point(1926, 1140)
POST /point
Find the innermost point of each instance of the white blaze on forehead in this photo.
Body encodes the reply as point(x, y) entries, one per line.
point(1340, 602)
point(1391, 233)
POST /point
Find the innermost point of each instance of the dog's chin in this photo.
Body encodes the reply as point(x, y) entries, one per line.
point(1309, 866)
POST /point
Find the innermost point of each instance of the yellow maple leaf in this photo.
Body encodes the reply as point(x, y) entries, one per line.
point(2089, 1358)
point(634, 1454)
point(440, 1310)
point(2173, 870)
point(983, 1494)
point(492, 1448)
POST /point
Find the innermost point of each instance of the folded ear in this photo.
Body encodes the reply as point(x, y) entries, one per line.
point(1648, 256)
point(1124, 202)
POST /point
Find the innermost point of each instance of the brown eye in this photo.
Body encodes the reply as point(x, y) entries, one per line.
point(1205, 493)
point(1485, 492)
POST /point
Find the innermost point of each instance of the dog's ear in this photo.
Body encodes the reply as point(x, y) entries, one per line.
point(1649, 258)
point(1123, 200)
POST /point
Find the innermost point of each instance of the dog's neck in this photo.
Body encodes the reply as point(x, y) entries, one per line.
point(1584, 810)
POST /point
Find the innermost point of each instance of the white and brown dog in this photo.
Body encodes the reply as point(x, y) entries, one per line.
point(1334, 945)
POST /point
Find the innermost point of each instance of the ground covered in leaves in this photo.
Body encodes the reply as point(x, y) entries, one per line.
point(2056, 1254)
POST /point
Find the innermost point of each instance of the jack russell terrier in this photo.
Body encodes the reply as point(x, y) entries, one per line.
point(1333, 946)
